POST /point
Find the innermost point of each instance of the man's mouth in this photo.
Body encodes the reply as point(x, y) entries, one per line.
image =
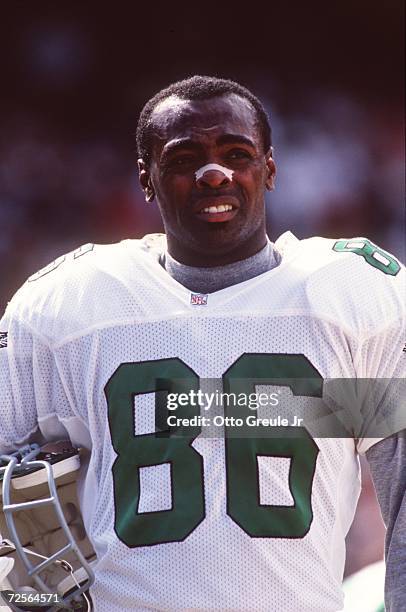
point(217, 211)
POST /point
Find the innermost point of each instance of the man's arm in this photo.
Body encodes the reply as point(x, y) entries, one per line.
point(387, 460)
point(18, 415)
point(30, 388)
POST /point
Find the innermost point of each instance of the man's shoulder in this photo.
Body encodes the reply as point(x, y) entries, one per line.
point(349, 279)
point(75, 281)
point(91, 259)
point(357, 254)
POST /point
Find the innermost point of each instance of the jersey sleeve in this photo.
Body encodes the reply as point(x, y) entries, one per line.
point(29, 386)
point(381, 368)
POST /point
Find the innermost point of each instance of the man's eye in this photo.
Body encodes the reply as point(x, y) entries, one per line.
point(183, 160)
point(238, 154)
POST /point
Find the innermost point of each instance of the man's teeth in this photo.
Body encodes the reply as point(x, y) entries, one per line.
point(218, 209)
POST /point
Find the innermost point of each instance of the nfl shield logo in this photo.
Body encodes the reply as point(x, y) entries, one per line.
point(198, 299)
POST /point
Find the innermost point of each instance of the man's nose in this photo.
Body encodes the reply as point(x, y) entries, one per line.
point(213, 179)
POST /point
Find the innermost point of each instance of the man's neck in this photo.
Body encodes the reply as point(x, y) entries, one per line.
point(209, 280)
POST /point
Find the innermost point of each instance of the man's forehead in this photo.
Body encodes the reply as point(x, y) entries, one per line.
point(175, 117)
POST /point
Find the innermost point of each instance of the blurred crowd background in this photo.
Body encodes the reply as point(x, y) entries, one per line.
point(75, 77)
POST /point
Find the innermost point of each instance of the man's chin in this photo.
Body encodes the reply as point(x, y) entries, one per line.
point(217, 239)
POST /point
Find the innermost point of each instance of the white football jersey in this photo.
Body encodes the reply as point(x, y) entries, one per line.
point(187, 521)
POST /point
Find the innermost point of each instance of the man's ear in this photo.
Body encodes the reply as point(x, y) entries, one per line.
point(145, 180)
point(270, 164)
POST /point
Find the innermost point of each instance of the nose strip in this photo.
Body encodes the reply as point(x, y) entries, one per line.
point(226, 171)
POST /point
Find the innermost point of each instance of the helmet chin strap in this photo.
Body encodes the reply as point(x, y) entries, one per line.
point(226, 171)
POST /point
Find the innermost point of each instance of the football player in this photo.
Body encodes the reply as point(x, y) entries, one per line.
point(94, 344)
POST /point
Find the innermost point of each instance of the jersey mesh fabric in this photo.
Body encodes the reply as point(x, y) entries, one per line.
point(210, 551)
point(116, 305)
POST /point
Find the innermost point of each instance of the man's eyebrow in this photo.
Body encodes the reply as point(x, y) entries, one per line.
point(180, 143)
point(235, 139)
point(189, 143)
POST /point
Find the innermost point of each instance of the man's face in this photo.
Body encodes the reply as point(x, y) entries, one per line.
point(189, 135)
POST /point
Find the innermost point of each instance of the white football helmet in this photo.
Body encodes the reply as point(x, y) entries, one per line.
point(40, 520)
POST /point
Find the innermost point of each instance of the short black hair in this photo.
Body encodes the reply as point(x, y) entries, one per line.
point(198, 88)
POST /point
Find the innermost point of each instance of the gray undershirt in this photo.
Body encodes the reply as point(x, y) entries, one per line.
point(387, 458)
point(209, 280)
point(387, 461)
